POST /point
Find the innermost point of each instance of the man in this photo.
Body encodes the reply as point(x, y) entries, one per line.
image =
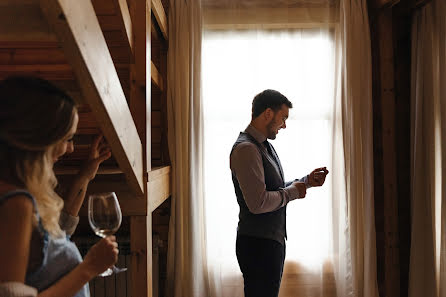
point(263, 195)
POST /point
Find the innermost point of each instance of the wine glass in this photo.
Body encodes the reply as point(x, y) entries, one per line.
point(104, 215)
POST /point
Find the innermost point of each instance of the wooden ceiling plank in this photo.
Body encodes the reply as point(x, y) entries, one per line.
point(118, 21)
point(28, 56)
point(23, 21)
point(104, 7)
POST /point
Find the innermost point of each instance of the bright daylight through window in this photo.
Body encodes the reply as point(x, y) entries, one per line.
point(236, 66)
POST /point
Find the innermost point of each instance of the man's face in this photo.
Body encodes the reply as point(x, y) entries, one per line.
point(277, 122)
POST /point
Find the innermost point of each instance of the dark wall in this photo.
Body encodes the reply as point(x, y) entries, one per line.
point(392, 265)
point(402, 47)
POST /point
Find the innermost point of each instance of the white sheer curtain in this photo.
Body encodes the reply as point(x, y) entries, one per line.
point(427, 276)
point(186, 263)
point(332, 251)
point(353, 203)
point(236, 66)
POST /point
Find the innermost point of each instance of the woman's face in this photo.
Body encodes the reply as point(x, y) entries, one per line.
point(66, 144)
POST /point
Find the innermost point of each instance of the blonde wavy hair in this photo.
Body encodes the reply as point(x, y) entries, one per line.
point(34, 116)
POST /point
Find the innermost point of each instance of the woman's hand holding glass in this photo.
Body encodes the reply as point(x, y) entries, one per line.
point(101, 256)
point(104, 215)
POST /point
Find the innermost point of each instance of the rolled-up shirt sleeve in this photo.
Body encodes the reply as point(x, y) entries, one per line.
point(246, 164)
point(16, 289)
point(68, 223)
point(302, 180)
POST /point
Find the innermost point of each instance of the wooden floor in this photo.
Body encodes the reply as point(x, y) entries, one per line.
point(298, 281)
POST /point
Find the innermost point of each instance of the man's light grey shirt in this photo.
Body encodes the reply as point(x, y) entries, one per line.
point(246, 163)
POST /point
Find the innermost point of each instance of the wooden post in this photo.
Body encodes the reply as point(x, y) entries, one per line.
point(140, 75)
point(141, 249)
point(387, 99)
point(140, 106)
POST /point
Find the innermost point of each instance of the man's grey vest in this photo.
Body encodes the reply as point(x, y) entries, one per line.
point(271, 225)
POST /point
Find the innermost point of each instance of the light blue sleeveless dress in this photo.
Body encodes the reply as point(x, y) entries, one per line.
point(58, 255)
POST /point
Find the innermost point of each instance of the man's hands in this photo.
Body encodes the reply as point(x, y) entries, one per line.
point(99, 152)
point(301, 188)
point(317, 177)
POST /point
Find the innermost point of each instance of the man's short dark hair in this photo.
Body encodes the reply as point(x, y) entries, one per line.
point(269, 99)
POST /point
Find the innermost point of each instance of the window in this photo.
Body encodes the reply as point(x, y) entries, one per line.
point(237, 65)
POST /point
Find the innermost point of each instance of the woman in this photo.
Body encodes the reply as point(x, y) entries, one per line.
point(37, 124)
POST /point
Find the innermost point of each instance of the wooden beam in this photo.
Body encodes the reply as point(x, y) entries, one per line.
point(140, 105)
point(159, 191)
point(159, 187)
point(141, 20)
point(125, 21)
point(140, 88)
point(160, 16)
point(141, 249)
point(156, 77)
point(78, 30)
point(158, 172)
point(165, 157)
point(116, 20)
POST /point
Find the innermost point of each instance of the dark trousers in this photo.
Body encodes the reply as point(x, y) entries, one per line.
point(261, 262)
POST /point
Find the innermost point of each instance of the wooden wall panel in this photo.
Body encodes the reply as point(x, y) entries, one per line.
point(384, 96)
point(32, 56)
point(160, 226)
point(23, 21)
point(391, 30)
